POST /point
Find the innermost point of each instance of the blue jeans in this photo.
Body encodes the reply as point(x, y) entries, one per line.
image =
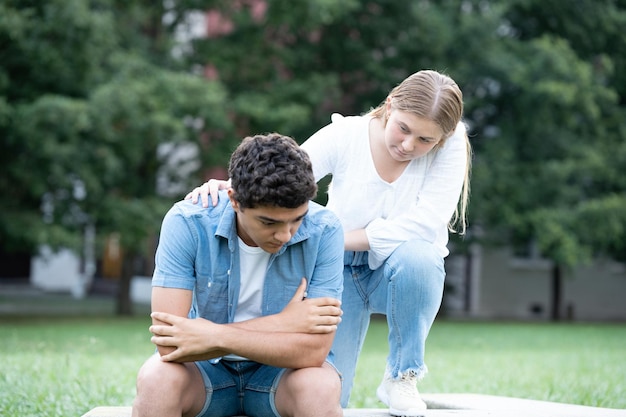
point(236, 388)
point(408, 289)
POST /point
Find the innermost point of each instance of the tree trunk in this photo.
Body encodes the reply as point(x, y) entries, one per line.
point(469, 264)
point(557, 299)
point(124, 306)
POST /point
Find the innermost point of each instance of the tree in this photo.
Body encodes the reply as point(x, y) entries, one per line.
point(549, 177)
point(602, 145)
point(84, 116)
point(34, 74)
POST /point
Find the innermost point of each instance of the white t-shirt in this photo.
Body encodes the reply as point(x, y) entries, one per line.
point(419, 204)
point(253, 265)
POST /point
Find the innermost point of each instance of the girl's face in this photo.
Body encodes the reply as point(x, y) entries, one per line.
point(408, 136)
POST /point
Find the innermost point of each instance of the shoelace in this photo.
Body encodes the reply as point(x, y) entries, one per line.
point(407, 385)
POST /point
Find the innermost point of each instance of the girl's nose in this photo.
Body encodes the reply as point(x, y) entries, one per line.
point(407, 145)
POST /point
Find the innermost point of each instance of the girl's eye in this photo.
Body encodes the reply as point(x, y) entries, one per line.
point(404, 129)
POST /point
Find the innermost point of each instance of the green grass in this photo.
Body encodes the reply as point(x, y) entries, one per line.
point(572, 363)
point(64, 365)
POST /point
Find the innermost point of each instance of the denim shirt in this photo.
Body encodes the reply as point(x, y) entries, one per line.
point(198, 251)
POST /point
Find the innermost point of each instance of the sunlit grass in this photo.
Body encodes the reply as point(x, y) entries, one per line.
point(573, 363)
point(63, 366)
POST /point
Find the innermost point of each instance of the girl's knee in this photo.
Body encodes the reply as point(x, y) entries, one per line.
point(417, 249)
point(415, 257)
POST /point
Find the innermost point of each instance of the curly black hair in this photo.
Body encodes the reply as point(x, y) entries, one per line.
point(271, 170)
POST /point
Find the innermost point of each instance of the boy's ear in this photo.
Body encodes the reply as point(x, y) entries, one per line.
point(233, 202)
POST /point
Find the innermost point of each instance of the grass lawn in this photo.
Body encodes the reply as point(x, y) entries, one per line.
point(572, 363)
point(64, 365)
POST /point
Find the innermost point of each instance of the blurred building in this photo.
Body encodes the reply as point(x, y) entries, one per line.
point(494, 284)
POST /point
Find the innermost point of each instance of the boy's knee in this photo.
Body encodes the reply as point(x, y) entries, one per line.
point(326, 386)
point(153, 372)
point(160, 386)
point(322, 384)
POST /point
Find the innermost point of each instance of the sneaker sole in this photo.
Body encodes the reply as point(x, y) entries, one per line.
point(382, 396)
point(407, 413)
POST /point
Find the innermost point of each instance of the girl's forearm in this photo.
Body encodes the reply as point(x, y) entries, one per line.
point(356, 240)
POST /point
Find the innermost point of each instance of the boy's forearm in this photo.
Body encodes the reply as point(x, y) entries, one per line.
point(200, 338)
point(284, 350)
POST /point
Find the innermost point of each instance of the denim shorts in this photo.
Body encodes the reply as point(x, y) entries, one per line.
point(239, 388)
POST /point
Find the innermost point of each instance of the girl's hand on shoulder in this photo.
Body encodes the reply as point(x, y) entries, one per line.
point(211, 187)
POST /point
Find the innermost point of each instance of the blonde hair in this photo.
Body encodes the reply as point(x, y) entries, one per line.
point(434, 96)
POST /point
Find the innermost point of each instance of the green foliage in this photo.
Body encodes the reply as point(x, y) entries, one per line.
point(84, 116)
point(53, 47)
point(91, 91)
point(604, 221)
point(49, 58)
point(551, 147)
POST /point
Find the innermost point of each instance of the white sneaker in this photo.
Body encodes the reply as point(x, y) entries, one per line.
point(401, 396)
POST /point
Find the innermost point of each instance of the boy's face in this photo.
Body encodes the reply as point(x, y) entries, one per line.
point(268, 227)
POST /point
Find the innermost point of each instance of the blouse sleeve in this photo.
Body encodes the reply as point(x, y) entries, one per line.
point(323, 148)
point(429, 215)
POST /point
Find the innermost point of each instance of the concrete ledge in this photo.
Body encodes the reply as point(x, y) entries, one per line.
point(126, 412)
point(350, 412)
point(109, 412)
point(504, 406)
point(454, 405)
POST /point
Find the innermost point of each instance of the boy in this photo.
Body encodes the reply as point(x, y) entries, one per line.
point(245, 296)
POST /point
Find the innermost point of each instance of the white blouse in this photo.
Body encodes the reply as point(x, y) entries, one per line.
point(419, 204)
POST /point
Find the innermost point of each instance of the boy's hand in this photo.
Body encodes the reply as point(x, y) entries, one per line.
point(189, 339)
point(310, 315)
